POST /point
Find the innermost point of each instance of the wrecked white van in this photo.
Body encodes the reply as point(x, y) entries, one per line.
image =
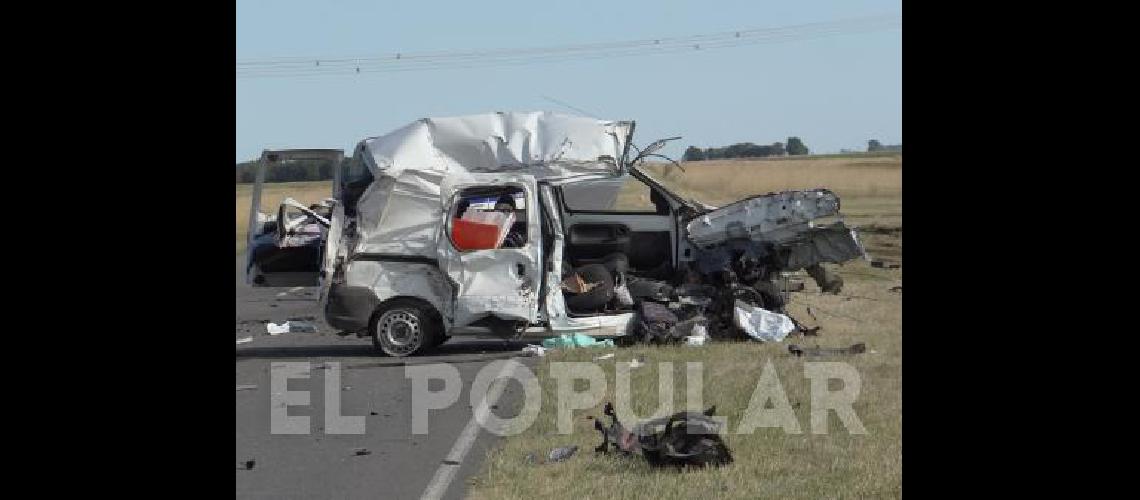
point(499, 224)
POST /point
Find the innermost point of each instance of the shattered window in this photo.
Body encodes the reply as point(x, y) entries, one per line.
point(488, 218)
point(625, 194)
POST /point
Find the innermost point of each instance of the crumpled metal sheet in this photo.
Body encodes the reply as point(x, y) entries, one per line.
point(402, 279)
point(775, 217)
point(543, 144)
point(762, 324)
point(401, 215)
point(486, 286)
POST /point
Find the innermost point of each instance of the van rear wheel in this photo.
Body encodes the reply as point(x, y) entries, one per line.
point(404, 327)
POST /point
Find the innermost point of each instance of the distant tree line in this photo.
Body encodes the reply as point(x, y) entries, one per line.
point(290, 171)
point(747, 150)
point(874, 145)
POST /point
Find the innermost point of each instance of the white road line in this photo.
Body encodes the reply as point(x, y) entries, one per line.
point(447, 470)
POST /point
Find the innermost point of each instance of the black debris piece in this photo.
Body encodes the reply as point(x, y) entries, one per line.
point(684, 439)
point(827, 280)
point(810, 332)
point(648, 289)
point(817, 351)
point(656, 323)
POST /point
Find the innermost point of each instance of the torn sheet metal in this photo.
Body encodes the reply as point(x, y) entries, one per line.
point(834, 243)
point(401, 215)
point(775, 218)
point(762, 324)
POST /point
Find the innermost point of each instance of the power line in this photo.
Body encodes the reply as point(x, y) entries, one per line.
point(579, 110)
point(400, 62)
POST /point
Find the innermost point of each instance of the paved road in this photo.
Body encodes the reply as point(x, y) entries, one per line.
point(401, 464)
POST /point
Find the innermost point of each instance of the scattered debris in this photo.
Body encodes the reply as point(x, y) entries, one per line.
point(244, 340)
point(560, 454)
point(794, 286)
point(762, 324)
point(656, 323)
point(534, 350)
point(649, 289)
point(817, 351)
point(604, 356)
point(246, 387)
point(897, 289)
point(290, 327)
point(637, 363)
point(884, 264)
point(361, 451)
point(247, 465)
point(576, 340)
point(828, 281)
point(373, 413)
point(303, 318)
point(810, 332)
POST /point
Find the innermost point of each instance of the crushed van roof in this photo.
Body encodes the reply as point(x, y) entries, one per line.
point(544, 144)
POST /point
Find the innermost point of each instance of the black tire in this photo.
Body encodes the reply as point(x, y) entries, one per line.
point(598, 296)
point(404, 327)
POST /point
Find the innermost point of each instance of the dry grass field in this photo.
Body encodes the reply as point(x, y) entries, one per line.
point(770, 463)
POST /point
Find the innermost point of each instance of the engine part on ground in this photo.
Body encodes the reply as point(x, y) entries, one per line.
point(593, 297)
point(828, 281)
point(684, 439)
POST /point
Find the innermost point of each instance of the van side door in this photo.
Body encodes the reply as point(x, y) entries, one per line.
point(490, 247)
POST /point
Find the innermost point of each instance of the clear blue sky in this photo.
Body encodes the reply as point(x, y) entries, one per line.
point(834, 92)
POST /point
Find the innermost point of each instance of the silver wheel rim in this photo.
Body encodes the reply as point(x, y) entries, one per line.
point(400, 331)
